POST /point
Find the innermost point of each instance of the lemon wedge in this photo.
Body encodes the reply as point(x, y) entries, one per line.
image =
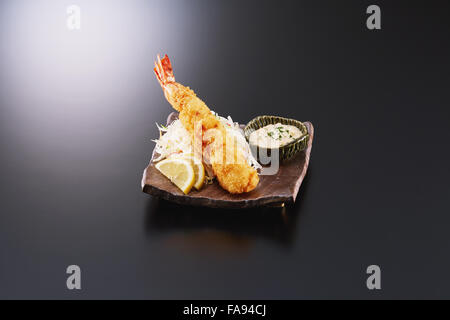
point(199, 170)
point(179, 171)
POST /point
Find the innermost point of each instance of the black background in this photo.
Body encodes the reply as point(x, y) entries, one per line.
point(78, 112)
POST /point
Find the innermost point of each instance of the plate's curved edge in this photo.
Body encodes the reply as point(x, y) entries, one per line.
point(214, 203)
point(144, 174)
point(310, 127)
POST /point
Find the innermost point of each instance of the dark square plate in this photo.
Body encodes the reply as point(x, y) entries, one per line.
point(272, 190)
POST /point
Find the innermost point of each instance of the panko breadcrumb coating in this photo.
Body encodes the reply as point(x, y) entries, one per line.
point(233, 172)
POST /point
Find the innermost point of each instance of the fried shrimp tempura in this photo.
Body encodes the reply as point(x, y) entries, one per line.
point(229, 165)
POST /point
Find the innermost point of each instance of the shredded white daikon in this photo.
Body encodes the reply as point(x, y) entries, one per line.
point(172, 139)
point(175, 139)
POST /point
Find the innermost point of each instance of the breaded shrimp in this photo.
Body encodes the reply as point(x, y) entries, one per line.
point(229, 165)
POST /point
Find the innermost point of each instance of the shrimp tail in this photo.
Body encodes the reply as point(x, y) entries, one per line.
point(164, 72)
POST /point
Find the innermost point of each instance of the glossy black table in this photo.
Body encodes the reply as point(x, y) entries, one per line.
point(78, 111)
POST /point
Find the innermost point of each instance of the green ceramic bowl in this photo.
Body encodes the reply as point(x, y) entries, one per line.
point(287, 151)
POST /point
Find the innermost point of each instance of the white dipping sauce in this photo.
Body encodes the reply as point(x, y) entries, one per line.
point(274, 135)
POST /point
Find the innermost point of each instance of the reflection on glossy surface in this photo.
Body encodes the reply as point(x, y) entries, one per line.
point(204, 230)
